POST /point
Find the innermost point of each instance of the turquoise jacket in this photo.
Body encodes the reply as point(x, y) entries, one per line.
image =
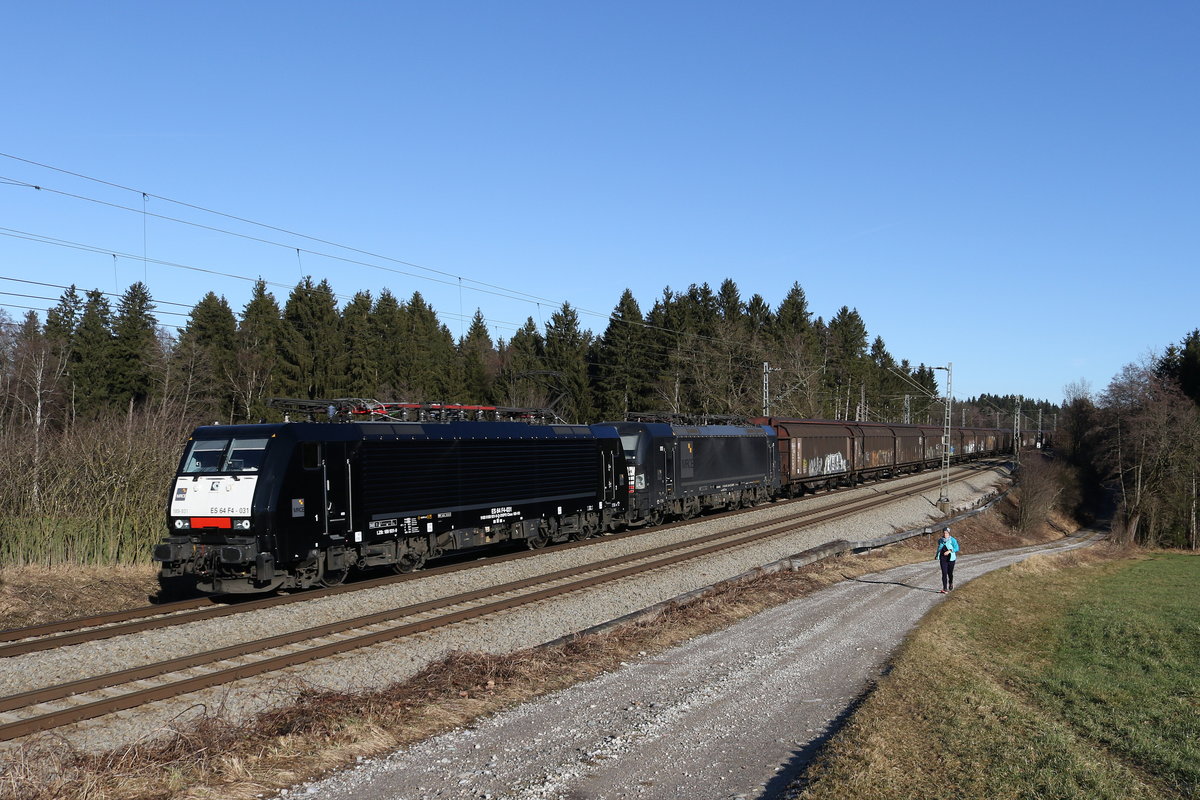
point(949, 544)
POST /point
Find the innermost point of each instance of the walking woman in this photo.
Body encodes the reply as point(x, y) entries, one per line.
point(947, 554)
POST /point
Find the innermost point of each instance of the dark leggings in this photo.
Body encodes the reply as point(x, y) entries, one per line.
point(947, 573)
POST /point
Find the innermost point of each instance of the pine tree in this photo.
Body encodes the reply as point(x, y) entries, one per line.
point(927, 380)
point(847, 358)
point(389, 326)
point(203, 360)
point(730, 305)
point(136, 351)
point(311, 353)
point(520, 358)
point(760, 322)
point(797, 354)
point(1181, 364)
point(735, 387)
point(623, 370)
point(479, 363)
point(63, 319)
point(793, 320)
point(256, 357)
point(885, 388)
point(93, 357)
point(566, 354)
point(669, 340)
point(429, 364)
point(362, 372)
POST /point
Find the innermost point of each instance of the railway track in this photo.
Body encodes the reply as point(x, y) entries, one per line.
point(80, 630)
point(94, 696)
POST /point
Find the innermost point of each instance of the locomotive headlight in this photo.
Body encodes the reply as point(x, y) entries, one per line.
point(241, 524)
point(181, 525)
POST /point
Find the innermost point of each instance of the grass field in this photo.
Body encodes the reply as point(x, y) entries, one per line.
point(1049, 680)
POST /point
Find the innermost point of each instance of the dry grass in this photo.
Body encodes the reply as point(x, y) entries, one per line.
point(325, 731)
point(88, 493)
point(945, 701)
point(36, 595)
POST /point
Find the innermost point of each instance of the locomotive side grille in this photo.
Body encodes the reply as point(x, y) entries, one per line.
point(418, 475)
point(730, 459)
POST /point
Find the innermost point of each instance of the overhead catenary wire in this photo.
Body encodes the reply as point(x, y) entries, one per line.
point(664, 349)
point(16, 324)
point(155, 314)
point(505, 292)
point(64, 287)
point(515, 294)
point(670, 343)
point(45, 239)
point(41, 297)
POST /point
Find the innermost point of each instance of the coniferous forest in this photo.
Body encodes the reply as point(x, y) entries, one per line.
point(98, 399)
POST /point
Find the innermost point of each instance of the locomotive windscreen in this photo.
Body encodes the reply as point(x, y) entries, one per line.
point(629, 443)
point(407, 477)
point(225, 455)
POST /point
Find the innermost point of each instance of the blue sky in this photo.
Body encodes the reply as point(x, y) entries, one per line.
point(1012, 187)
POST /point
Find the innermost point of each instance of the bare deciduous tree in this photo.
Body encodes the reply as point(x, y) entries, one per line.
point(1151, 431)
point(1041, 486)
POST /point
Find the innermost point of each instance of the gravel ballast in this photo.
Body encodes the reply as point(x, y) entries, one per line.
point(378, 666)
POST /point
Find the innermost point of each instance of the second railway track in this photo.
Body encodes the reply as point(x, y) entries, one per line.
point(65, 702)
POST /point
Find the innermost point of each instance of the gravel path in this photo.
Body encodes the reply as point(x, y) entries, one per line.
point(384, 664)
point(735, 714)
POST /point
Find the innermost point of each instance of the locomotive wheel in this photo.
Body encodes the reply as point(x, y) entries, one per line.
point(545, 534)
point(409, 562)
point(585, 532)
point(331, 578)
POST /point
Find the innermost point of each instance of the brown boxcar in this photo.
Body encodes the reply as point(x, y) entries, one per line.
point(812, 454)
point(909, 447)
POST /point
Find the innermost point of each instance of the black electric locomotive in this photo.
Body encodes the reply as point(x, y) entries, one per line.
point(679, 471)
point(292, 505)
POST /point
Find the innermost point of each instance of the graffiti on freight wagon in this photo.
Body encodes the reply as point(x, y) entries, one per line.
point(830, 464)
point(879, 458)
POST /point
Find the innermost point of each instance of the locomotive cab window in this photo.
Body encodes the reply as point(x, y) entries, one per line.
point(224, 455)
point(629, 442)
point(204, 455)
point(246, 455)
